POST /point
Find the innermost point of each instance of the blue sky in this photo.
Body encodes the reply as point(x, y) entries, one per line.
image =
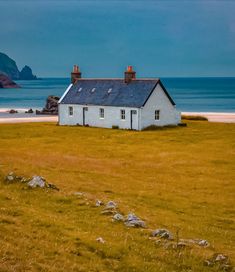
point(159, 38)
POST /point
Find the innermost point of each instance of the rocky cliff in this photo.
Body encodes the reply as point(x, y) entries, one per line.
point(6, 82)
point(27, 74)
point(8, 66)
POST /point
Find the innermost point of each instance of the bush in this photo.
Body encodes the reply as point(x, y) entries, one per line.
point(194, 117)
point(115, 127)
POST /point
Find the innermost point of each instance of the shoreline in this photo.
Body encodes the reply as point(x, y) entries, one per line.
point(22, 117)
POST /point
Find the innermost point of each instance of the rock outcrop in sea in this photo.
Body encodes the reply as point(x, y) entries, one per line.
point(27, 74)
point(9, 67)
point(51, 107)
point(6, 82)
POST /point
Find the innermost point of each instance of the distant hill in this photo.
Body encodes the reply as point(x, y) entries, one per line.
point(6, 82)
point(9, 67)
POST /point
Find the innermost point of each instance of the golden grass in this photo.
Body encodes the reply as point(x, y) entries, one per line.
point(178, 178)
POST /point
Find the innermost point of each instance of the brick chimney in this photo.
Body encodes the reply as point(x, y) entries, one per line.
point(129, 74)
point(76, 74)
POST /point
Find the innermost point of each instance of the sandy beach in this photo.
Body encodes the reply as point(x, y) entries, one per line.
point(22, 117)
point(222, 117)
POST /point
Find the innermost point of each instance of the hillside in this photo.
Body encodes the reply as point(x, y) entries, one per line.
point(181, 179)
point(9, 67)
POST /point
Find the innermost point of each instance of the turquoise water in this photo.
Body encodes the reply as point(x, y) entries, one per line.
point(189, 94)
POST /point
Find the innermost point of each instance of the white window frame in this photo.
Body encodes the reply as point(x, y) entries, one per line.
point(157, 115)
point(101, 113)
point(123, 114)
point(70, 111)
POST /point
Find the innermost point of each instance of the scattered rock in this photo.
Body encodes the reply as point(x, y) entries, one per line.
point(99, 203)
point(12, 177)
point(111, 205)
point(162, 233)
point(133, 221)
point(118, 217)
point(13, 111)
point(221, 260)
point(199, 242)
point(37, 181)
point(29, 111)
point(100, 240)
point(203, 243)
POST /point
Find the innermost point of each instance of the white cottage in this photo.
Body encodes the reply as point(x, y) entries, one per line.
point(127, 103)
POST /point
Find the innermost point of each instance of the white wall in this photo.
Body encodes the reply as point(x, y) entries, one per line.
point(159, 101)
point(111, 118)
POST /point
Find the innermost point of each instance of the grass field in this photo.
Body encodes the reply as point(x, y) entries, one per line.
point(180, 178)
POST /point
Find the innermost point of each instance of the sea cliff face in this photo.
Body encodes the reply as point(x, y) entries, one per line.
point(6, 82)
point(8, 66)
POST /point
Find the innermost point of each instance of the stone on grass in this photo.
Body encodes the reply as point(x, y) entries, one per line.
point(203, 243)
point(37, 181)
point(118, 217)
point(133, 221)
point(100, 240)
point(10, 177)
point(99, 203)
point(199, 242)
point(162, 233)
point(111, 205)
point(221, 260)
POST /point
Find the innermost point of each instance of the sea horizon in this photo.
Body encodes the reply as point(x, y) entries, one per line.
point(191, 94)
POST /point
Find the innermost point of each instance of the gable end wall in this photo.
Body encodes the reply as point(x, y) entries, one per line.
point(159, 101)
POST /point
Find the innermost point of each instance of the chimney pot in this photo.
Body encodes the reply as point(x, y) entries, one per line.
point(129, 74)
point(76, 74)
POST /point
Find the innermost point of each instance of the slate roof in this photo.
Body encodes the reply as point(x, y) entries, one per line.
point(112, 92)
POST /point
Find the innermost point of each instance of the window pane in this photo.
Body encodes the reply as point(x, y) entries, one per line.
point(157, 114)
point(123, 114)
point(101, 113)
point(70, 111)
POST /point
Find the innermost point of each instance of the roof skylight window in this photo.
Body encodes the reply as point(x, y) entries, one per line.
point(93, 90)
point(109, 90)
point(79, 90)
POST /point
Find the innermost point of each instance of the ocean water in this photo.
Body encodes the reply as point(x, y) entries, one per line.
point(189, 94)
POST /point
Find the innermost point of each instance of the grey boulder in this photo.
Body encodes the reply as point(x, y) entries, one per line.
point(133, 221)
point(37, 181)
